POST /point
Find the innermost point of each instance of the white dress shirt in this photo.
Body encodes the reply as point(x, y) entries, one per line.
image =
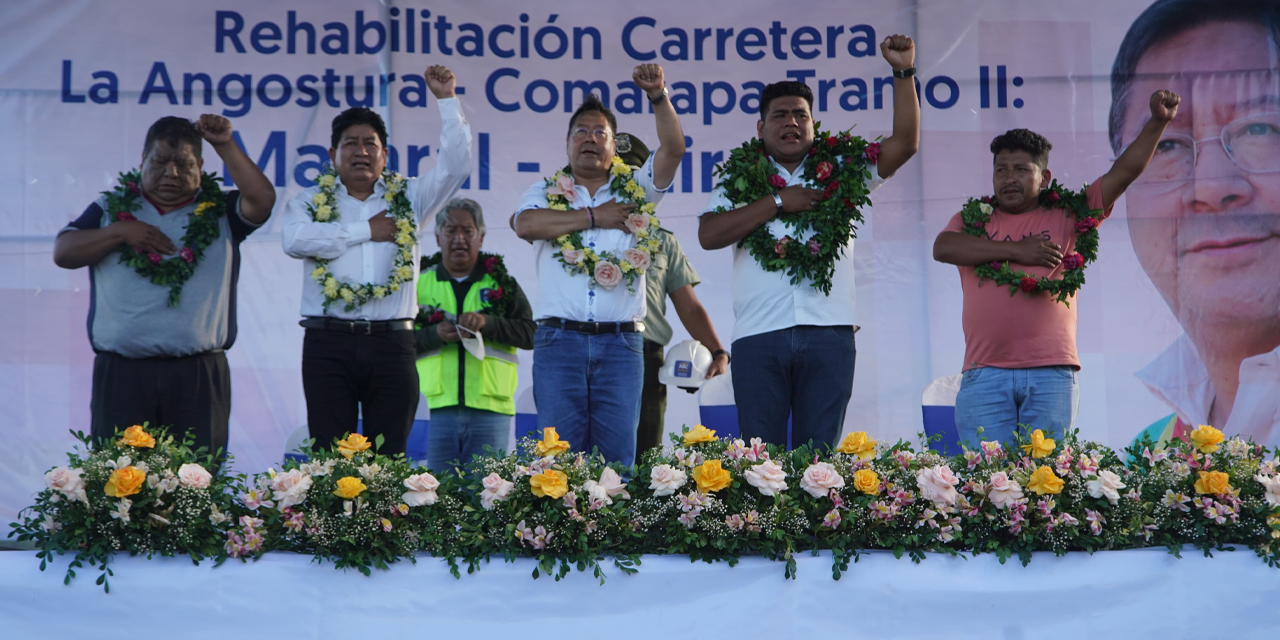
point(1179, 378)
point(346, 242)
point(575, 296)
point(765, 301)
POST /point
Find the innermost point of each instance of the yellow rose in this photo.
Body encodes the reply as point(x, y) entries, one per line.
point(125, 481)
point(549, 484)
point(1206, 438)
point(379, 292)
point(353, 444)
point(699, 434)
point(551, 444)
point(1215, 482)
point(347, 294)
point(859, 444)
point(710, 477)
point(405, 273)
point(1040, 446)
point(136, 436)
point(318, 199)
point(326, 180)
point(394, 286)
point(349, 487)
point(1044, 481)
point(866, 481)
point(404, 225)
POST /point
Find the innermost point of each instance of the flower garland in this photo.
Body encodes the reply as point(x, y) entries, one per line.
point(323, 208)
point(841, 165)
point(604, 268)
point(977, 213)
point(201, 230)
point(495, 301)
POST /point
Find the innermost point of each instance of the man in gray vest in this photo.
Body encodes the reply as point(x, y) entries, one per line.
point(163, 247)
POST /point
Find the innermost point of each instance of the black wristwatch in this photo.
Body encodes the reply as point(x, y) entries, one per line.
point(661, 96)
point(904, 73)
point(727, 358)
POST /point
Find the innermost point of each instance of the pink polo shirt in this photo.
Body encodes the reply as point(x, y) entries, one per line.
point(1022, 331)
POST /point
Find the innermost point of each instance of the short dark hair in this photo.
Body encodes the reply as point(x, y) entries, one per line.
point(593, 103)
point(174, 131)
point(1165, 19)
point(784, 89)
point(357, 116)
point(1023, 140)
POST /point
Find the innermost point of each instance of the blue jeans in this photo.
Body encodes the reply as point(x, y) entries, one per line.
point(458, 433)
point(999, 400)
point(588, 387)
point(804, 372)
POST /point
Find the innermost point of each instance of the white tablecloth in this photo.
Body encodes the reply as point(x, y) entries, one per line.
point(1126, 594)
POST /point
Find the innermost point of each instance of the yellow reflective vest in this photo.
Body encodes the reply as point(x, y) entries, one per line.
point(491, 383)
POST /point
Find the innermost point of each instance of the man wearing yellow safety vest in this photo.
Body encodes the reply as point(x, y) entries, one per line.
point(473, 316)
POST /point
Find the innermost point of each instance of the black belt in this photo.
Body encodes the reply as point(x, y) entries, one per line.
point(363, 327)
point(594, 328)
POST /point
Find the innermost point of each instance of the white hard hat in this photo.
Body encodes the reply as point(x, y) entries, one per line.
point(686, 365)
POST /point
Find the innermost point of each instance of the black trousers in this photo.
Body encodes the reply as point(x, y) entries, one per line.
point(188, 395)
point(347, 376)
point(653, 401)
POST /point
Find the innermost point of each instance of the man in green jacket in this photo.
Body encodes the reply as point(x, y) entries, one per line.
point(465, 295)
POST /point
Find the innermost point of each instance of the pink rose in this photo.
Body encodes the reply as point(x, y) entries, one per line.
point(1107, 485)
point(194, 476)
point(187, 255)
point(823, 171)
point(768, 477)
point(67, 482)
point(1072, 261)
point(814, 247)
point(421, 490)
point(637, 222)
point(154, 258)
point(612, 484)
point(607, 274)
point(938, 484)
point(780, 247)
point(638, 258)
point(563, 187)
point(777, 182)
point(125, 216)
point(872, 152)
point(664, 479)
point(496, 489)
point(572, 256)
point(1004, 491)
point(290, 488)
point(1086, 224)
point(820, 478)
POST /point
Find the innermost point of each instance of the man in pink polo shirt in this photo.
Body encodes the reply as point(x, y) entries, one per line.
point(1020, 362)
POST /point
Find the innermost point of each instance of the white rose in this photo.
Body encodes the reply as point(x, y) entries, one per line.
point(596, 491)
point(421, 490)
point(985, 208)
point(194, 476)
point(290, 488)
point(768, 477)
point(613, 484)
point(1003, 491)
point(665, 479)
point(1272, 485)
point(67, 482)
point(496, 489)
point(820, 478)
point(938, 484)
point(1106, 484)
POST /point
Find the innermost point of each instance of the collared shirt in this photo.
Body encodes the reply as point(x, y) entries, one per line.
point(670, 272)
point(131, 316)
point(575, 296)
point(1178, 377)
point(346, 242)
point(765, 301)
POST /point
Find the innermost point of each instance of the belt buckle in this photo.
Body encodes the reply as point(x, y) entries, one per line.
point(368, 326)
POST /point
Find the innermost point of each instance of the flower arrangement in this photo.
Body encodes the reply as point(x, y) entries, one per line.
point(145, 492)
point(545, 501)
point(976, 214)
point(201, 230)
point(324, 208)
point(606, 269)
point(840, 164)
point(348, 505)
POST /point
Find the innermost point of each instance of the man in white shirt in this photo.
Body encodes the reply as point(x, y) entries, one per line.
point(793, 345)
point(358, 241)
point(1205, 216)
point(588, 365)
